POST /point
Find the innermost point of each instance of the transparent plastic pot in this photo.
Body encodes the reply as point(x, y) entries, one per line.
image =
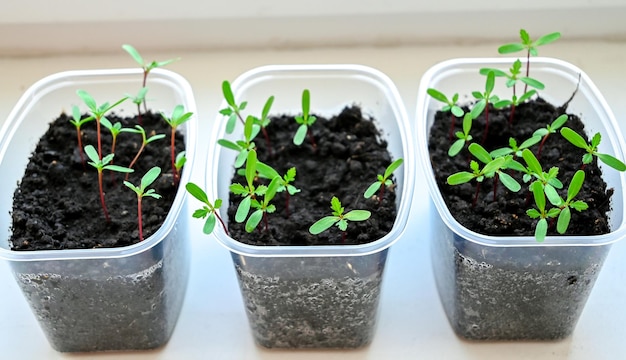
point(315, 296)
point(125, 298)
point(514, 288)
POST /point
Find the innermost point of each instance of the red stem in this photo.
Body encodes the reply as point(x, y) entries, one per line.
point(512, 113)
point(113, 152)
point(381, 193)
point(486, 124)
point(343, 236)
point(495, 186)
point(451, 131)
point(267, 141)
point(99, 139)
point(476, 194)
point(527, 69)
point(267, 224)
point(139, 119)
point(311, 139)
point(173, 155)
point(221, 222)
point(545, 137)
point(102, 202)
point(287, 196)
point(143, 145)
point(80, 148)
point(139, 220)
point(145, 78)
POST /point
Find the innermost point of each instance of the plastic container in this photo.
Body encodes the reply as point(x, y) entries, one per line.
point(514, 288)
point(316, 296)
point(110, 298)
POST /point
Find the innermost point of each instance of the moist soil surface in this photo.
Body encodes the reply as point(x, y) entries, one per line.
point(57, 204)
point(505, 214)
point(347, 156)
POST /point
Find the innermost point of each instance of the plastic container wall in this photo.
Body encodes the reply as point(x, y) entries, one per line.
point(316, 296)
point(99, 299)
point(497, 288)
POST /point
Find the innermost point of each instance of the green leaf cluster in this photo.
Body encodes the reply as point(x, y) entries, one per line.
point(338, 218)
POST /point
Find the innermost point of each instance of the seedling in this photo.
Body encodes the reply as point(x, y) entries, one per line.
point(305, 120)
point(181, 159)
point(179, 117)
point(144, 142)
point(77, 121)
point(529, 45)
point(338, 218)
point(450, 106)
point(541, 229)
point(97, 112)
point(248, 191)
point(548, 181)
point(138, 100)
point(263, 207)
point(382, 182)
point(264, 121)
point(514, 149)
point(115, 130)
point(208, 211)
point(484, 99)
point(549, 129)
point(268, 172)
point(243, 147)
point(142, 192)
point(147, 67)
point(483, 156)
point(477, 174)
point(463, 137)
point(233, 111)
point(592, 149)
point(101, 165)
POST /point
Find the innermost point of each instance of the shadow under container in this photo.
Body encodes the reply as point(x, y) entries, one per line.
point(126, 298)
point(510, 287)
point(316, 296)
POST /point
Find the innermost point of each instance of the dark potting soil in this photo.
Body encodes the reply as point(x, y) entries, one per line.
point(349, 153)
point(57, 204)
point(505, 213)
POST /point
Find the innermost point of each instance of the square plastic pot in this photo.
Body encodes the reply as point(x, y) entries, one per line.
point(125, 298)
point(514, 288)
point(315, 296)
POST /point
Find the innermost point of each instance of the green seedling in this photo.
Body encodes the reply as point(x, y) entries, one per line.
point(97, 112)
point(233, 111)
point(101, 165)
point(115, 130)
point(478, 174)
point(541, 229)
point(208, 210)
point(547, 180)
point(463, 137)
point(338, 218)
point(248, 191)
point(529, 45)
point(263, 207)
point(592, 149)
point(267, 172)
point(142, 191)
point(145, 140)
point(78, 122)
point(138, 100)
point(146, 67)
point(243, 147)
point(264, 121)
point(549, 129)
point(514, 149)
point(382, 181)
point(181, 159)
point(305, 120)
point(514, 102)
point(484, 99)
point(509, 182)
point(450, 106)
point(179, 117)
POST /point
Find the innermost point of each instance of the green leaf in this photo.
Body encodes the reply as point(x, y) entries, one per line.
point(496, 72)
point(460, 178)
point(392, 167)
point(251, 167)
point(612, 162)
point(92, 154)
point(150, 176)
point(243, 209)
point(531, 161)
point(456, 147)
point(490, 83)
point(237, 189)
point(457, 111)
point(437, 95)
point(527, 95)
point(266, 171)
point(587, 158)
point(509, 182)
point(134, 54)
point(500, 152)
point(271, 189)
point(88, 100)
point(510, 48)
point(575, 185)
point(574, 138)
point(539, 196)
point(335, 205)
point(558, 122)
point(254, 220)
point(132, 187)
point(342, 224)
point(477, 109)
point(530, 142)
point(357, 215)
point(546, 39)
point(197, 192)
point(480, 153)
point(298, 139)
point(579, 205)
point(563, 220)
point(248, 127)
point(201, 213)
point(306, 102)
point(229, 144)
point(267, 107)
point(541, 132)
point(541, 230)
point(209, 224)
point(118, 168)
point(595, 141)
point(533, 213)
point(231, 123)
point(552, 195)
point(532, 82)
point(323, 224)
point(371, 190)
point(228, 94)
point(493, 166)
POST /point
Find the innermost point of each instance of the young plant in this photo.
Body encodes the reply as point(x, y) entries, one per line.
point(592, 149)
point(138, 100)
point(529, 45)
point(233, 111)
point(147, 67)
point(285, 185)
point(450, 105)
point(264, 121)
point(549, 129)
point(263, 207)
point(181, 159)
point(463, 137)
point(78, 122)
point(101, 165)
point(243, 147)
point(143, 191)
point(338, 218)
point(547, 180)
point(208, 211)
point(305, 120)
point(97, 112)
point(144, 142)
point(514, 149)
point(115, 130)
point(509, 182)
point(248, 191)
point(179, 117)
point(382, 181)
point(541, 229)
point(477, 174)
point(484, 99)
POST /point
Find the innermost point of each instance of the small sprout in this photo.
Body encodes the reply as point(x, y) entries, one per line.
point(463, 137)
point(514, 148)
point(144, 141)
point(514, 102)
point(592, 149)
point(181, 159)
point(233, 111)
point(529, 45)
point(78, 121)
point(541, 229)
point(138, 100)
point(208, 211)
point(248, 191)
point(382, 182)
point(243, 147)
point(548, 181)
point(263, 207)
point(268, 172)
point(565, 215)
point(101, 165)
point(450, 106)
point(142, 191)
point(147, 67)
point(484, 99)
point(549, 129)
point(305, 120)
point(338, 218)
point(97, 112)
point(179, 117)
point(477, 174)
